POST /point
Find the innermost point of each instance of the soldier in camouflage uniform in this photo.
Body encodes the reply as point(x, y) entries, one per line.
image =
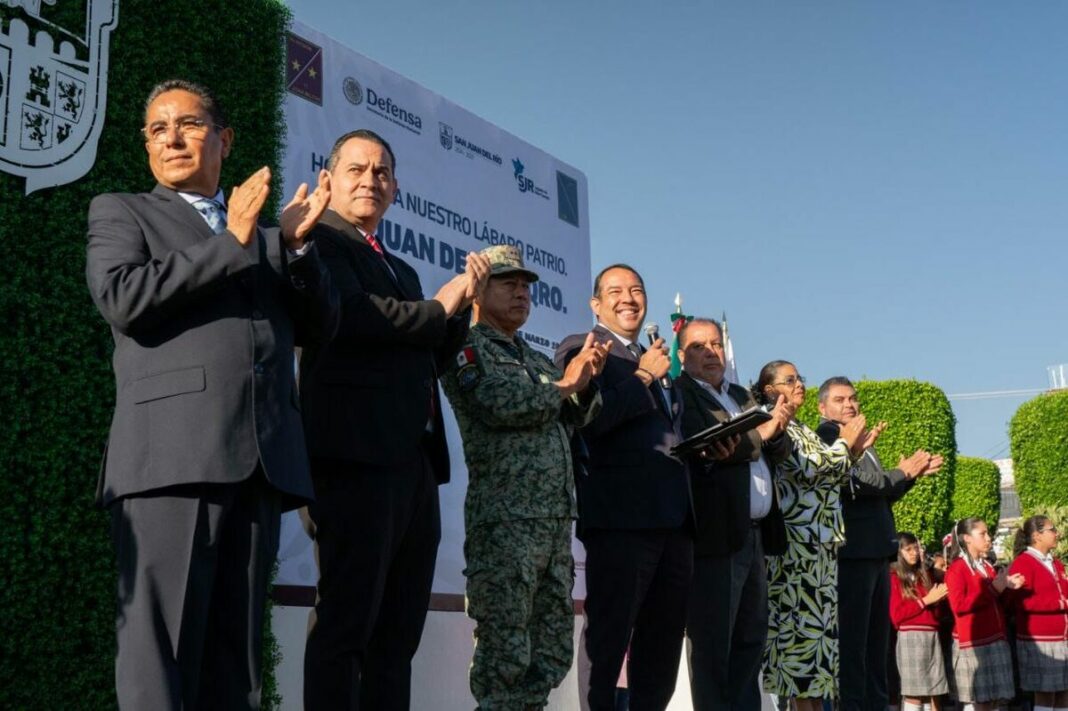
point(516, 411)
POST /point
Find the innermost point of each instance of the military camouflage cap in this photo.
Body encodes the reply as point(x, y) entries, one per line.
point(505, 259)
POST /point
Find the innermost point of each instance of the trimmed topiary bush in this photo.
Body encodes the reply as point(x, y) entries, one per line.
point(977, 490)
point(1038, 435)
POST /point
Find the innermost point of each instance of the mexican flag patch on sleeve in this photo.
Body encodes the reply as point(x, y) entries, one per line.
point(466, 356)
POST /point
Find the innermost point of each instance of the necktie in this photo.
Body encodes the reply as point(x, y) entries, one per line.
point(375, 245)
point(213, 214)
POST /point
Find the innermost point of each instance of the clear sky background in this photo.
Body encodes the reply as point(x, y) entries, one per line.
point(876, 189)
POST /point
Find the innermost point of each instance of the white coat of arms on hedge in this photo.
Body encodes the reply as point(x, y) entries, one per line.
point(53, 90)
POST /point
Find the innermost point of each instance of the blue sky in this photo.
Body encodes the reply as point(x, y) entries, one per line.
point(872, 189)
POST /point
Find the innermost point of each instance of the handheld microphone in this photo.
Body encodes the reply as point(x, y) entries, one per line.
point(652, 331)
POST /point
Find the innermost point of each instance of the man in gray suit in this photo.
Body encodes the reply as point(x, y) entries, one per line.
point(206, 447)
point(871, 542)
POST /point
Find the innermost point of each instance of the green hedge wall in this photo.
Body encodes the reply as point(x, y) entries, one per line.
point(977, 490)
point(1038, 435)
point(57, 392)
point(919, 417)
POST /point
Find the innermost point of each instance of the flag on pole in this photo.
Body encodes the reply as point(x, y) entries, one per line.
point(678, 320)
point(730, 370)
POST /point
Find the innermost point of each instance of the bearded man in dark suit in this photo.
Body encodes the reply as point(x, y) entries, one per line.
point(376, 438)
point(206, 447)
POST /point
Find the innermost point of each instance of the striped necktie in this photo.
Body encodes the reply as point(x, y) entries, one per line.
point(375, 245)
point(213, 214)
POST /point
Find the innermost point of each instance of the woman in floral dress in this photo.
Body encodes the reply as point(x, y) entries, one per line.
point(801, 656)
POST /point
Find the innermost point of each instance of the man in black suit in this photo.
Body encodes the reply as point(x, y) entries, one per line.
point(206, 447)
point(376, 438)
point(871, 543)
point(738, 523)
point(635, 514)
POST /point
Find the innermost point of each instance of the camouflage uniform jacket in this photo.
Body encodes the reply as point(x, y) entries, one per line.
point(516, 429)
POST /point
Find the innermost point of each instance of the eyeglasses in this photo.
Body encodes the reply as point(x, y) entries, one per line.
point(188, 126)
point(1051, 529)
point(791, 380)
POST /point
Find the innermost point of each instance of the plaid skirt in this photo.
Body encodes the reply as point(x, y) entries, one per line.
point(1043, 665)
point(984, 673)
point(920, 663)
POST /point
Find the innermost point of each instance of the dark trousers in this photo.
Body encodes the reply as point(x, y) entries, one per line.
point(637, 583)
point(727, 626)
point(194, 563)
point(863, 632)
point(376, 533)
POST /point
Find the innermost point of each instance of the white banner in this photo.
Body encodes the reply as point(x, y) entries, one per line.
point(464, 184)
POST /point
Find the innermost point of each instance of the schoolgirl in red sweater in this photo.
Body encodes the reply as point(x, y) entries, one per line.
point(982, 662)
point(916, 606)
point(1041, 615)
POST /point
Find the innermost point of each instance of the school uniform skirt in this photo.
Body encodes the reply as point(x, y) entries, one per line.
point(983, 673)
point(920, 663)
point(1043, 665)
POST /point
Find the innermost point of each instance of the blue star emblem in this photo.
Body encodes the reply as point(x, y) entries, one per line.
point(518, 166)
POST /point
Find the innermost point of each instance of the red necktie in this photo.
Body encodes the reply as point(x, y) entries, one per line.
point(373, 241)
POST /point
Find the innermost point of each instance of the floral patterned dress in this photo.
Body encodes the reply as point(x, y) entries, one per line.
point(801, 655)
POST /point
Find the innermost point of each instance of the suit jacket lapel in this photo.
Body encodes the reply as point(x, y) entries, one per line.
point(177, 207)
point(706, 398)
point(358, 243)
point(407, 290)
point(619, 348)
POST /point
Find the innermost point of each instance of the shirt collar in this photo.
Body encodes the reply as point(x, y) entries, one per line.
point(723, 389)
point(193, 198)
point(1044, 557)
point(626, 341)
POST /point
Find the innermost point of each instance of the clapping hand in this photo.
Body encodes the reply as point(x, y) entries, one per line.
point(781, 415)
point(869, 439)
point(478, 273)
point(1004, 580)
point(586, 363)
point(246, 201)
point(936, 593)
point(853, 431)
point(304, 211)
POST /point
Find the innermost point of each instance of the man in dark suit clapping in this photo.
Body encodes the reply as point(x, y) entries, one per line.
point(635, 514)
point(206, 446)
point(738, 523)
point(871, 543)
point(372, 410)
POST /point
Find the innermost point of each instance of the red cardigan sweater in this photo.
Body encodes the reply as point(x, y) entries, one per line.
point(912, 615)
point(1042, 603)
point(979, 620)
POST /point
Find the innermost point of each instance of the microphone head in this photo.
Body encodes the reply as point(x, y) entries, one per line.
point(652, 331)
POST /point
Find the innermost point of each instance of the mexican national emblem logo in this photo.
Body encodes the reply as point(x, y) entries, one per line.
point(446, 136)
point(53, 91)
